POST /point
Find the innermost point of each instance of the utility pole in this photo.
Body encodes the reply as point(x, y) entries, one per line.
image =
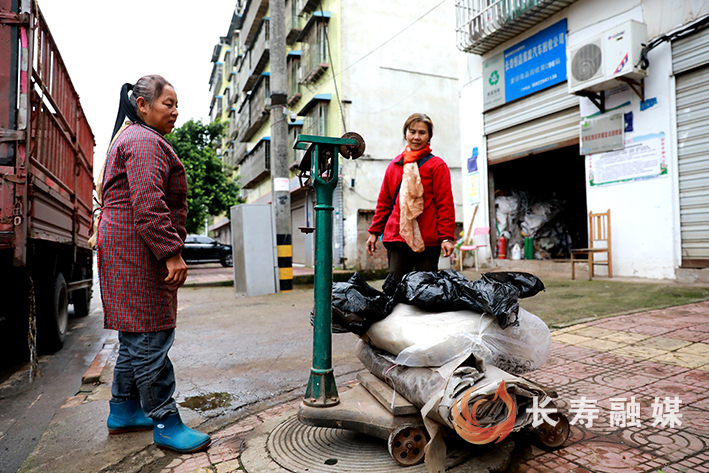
point(280, 189)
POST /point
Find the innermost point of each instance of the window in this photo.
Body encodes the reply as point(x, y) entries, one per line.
point(293, 79)
point(315, 58)
point(316, 122)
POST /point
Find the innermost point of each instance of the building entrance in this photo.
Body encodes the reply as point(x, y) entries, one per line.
point(542, 196)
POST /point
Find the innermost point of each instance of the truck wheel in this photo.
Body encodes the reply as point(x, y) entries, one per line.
point(227, 259)
point(53, 317)
point(82, 302)
point(82, 298)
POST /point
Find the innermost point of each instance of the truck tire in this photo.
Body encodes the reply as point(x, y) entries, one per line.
point(81, 298)
point(82, 302)
point(53, 316)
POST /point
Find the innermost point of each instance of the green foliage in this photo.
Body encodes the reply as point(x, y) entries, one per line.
point(211, 190)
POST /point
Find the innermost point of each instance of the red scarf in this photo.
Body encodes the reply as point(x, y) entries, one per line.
point(411, 156)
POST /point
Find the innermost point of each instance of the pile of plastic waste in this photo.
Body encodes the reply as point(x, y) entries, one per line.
point(451, 346)
point(519, 216)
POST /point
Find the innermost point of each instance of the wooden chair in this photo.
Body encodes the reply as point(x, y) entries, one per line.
point(599, 241)
point(479, 238)
point(466, 240)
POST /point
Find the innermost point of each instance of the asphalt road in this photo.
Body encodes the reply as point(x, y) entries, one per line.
point(26, 408)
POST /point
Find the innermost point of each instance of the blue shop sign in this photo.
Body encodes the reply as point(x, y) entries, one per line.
point(536, 63)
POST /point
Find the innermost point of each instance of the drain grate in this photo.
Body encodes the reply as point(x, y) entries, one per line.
point(301, 448)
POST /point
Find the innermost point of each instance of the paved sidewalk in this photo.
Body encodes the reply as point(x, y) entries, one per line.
point(661, 354)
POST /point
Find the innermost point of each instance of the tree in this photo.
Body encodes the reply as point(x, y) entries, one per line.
point(211, 190)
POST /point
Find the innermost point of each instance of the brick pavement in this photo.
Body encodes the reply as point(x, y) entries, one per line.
point(659, 354)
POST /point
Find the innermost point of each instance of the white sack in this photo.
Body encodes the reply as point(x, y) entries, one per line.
point(421, 338)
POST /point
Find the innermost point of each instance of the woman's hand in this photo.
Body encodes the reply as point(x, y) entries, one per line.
point(372, 244)
point(447, 247)
point(176, 270)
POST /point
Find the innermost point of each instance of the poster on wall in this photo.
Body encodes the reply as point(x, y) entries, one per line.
point(529, 66)
point(473, 179)
point(642, 158)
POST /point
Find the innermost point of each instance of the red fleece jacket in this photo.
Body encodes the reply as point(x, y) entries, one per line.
point(437, 222)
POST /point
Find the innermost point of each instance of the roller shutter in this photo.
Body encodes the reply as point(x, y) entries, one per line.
point(541, 122)
point(690, 59)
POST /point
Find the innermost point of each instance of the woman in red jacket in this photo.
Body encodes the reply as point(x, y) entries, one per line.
point(415, 213)
point(141, 235)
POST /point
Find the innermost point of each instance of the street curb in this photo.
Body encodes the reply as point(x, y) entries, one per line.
point(299, 280)
point(93, 372)
point(225, 283)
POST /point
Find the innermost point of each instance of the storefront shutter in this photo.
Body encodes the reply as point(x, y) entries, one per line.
point(541, 122)
point(690, 59)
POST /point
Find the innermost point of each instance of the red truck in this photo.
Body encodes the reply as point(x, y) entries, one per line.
point(46, 182)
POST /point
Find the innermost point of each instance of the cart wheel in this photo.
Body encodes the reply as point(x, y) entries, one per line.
point(554, 435)
point(406, 445)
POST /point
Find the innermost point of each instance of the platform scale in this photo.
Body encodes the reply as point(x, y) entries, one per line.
point(371, 407)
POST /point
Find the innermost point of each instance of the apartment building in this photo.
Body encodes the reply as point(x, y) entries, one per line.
point(360, 66)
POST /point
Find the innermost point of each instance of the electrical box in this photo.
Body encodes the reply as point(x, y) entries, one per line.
point(601, 62)
point(254, 247)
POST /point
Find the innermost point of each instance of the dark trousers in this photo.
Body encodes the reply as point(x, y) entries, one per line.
point(144, 371)
point(403, 260)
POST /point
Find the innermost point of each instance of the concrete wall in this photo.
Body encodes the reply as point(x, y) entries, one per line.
point(645, 219)
point(386, 78)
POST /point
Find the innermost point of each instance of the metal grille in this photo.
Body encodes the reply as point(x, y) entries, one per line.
point(546, 120)
point(482, 25)
point(693, 163)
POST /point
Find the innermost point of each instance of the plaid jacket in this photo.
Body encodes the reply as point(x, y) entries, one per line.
point(142, 223)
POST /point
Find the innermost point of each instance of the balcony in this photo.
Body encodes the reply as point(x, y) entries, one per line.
point(306, 6)
point(252, 19)
point(258, 108)
point(239, 152)
point(257, 164)
point(243, 71)
point(233, 131)
point(293, 70)
point(293, 21)
point(258, 57)
point(244, 120)
point(482, 25)
point(294, 156)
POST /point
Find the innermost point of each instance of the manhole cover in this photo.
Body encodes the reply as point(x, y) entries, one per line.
point(302, 448)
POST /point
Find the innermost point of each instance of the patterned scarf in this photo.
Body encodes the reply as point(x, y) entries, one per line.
point(411, 199)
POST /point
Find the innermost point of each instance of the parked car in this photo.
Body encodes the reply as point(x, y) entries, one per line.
point(202, 249)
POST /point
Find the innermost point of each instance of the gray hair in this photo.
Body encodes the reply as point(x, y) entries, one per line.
point(149, 87)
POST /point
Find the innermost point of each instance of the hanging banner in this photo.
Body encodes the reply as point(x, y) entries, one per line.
point(529, 66)
point(642, 158)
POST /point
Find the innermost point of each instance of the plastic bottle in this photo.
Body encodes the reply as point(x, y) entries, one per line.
point(516, 251)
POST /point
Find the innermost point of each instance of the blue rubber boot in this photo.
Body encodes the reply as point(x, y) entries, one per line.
point(171, 433)
point(127, 416)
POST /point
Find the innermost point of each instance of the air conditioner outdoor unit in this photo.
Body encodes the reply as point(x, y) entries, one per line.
point(607, 60)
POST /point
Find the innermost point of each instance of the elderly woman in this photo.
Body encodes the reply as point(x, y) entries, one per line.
point(140, 238)
point(415, 213)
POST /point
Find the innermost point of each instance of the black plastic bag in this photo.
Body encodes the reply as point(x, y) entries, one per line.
point(448, 290)
point(492, 297)
point(356, 305)
point(528, 284)
point(435, 291)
